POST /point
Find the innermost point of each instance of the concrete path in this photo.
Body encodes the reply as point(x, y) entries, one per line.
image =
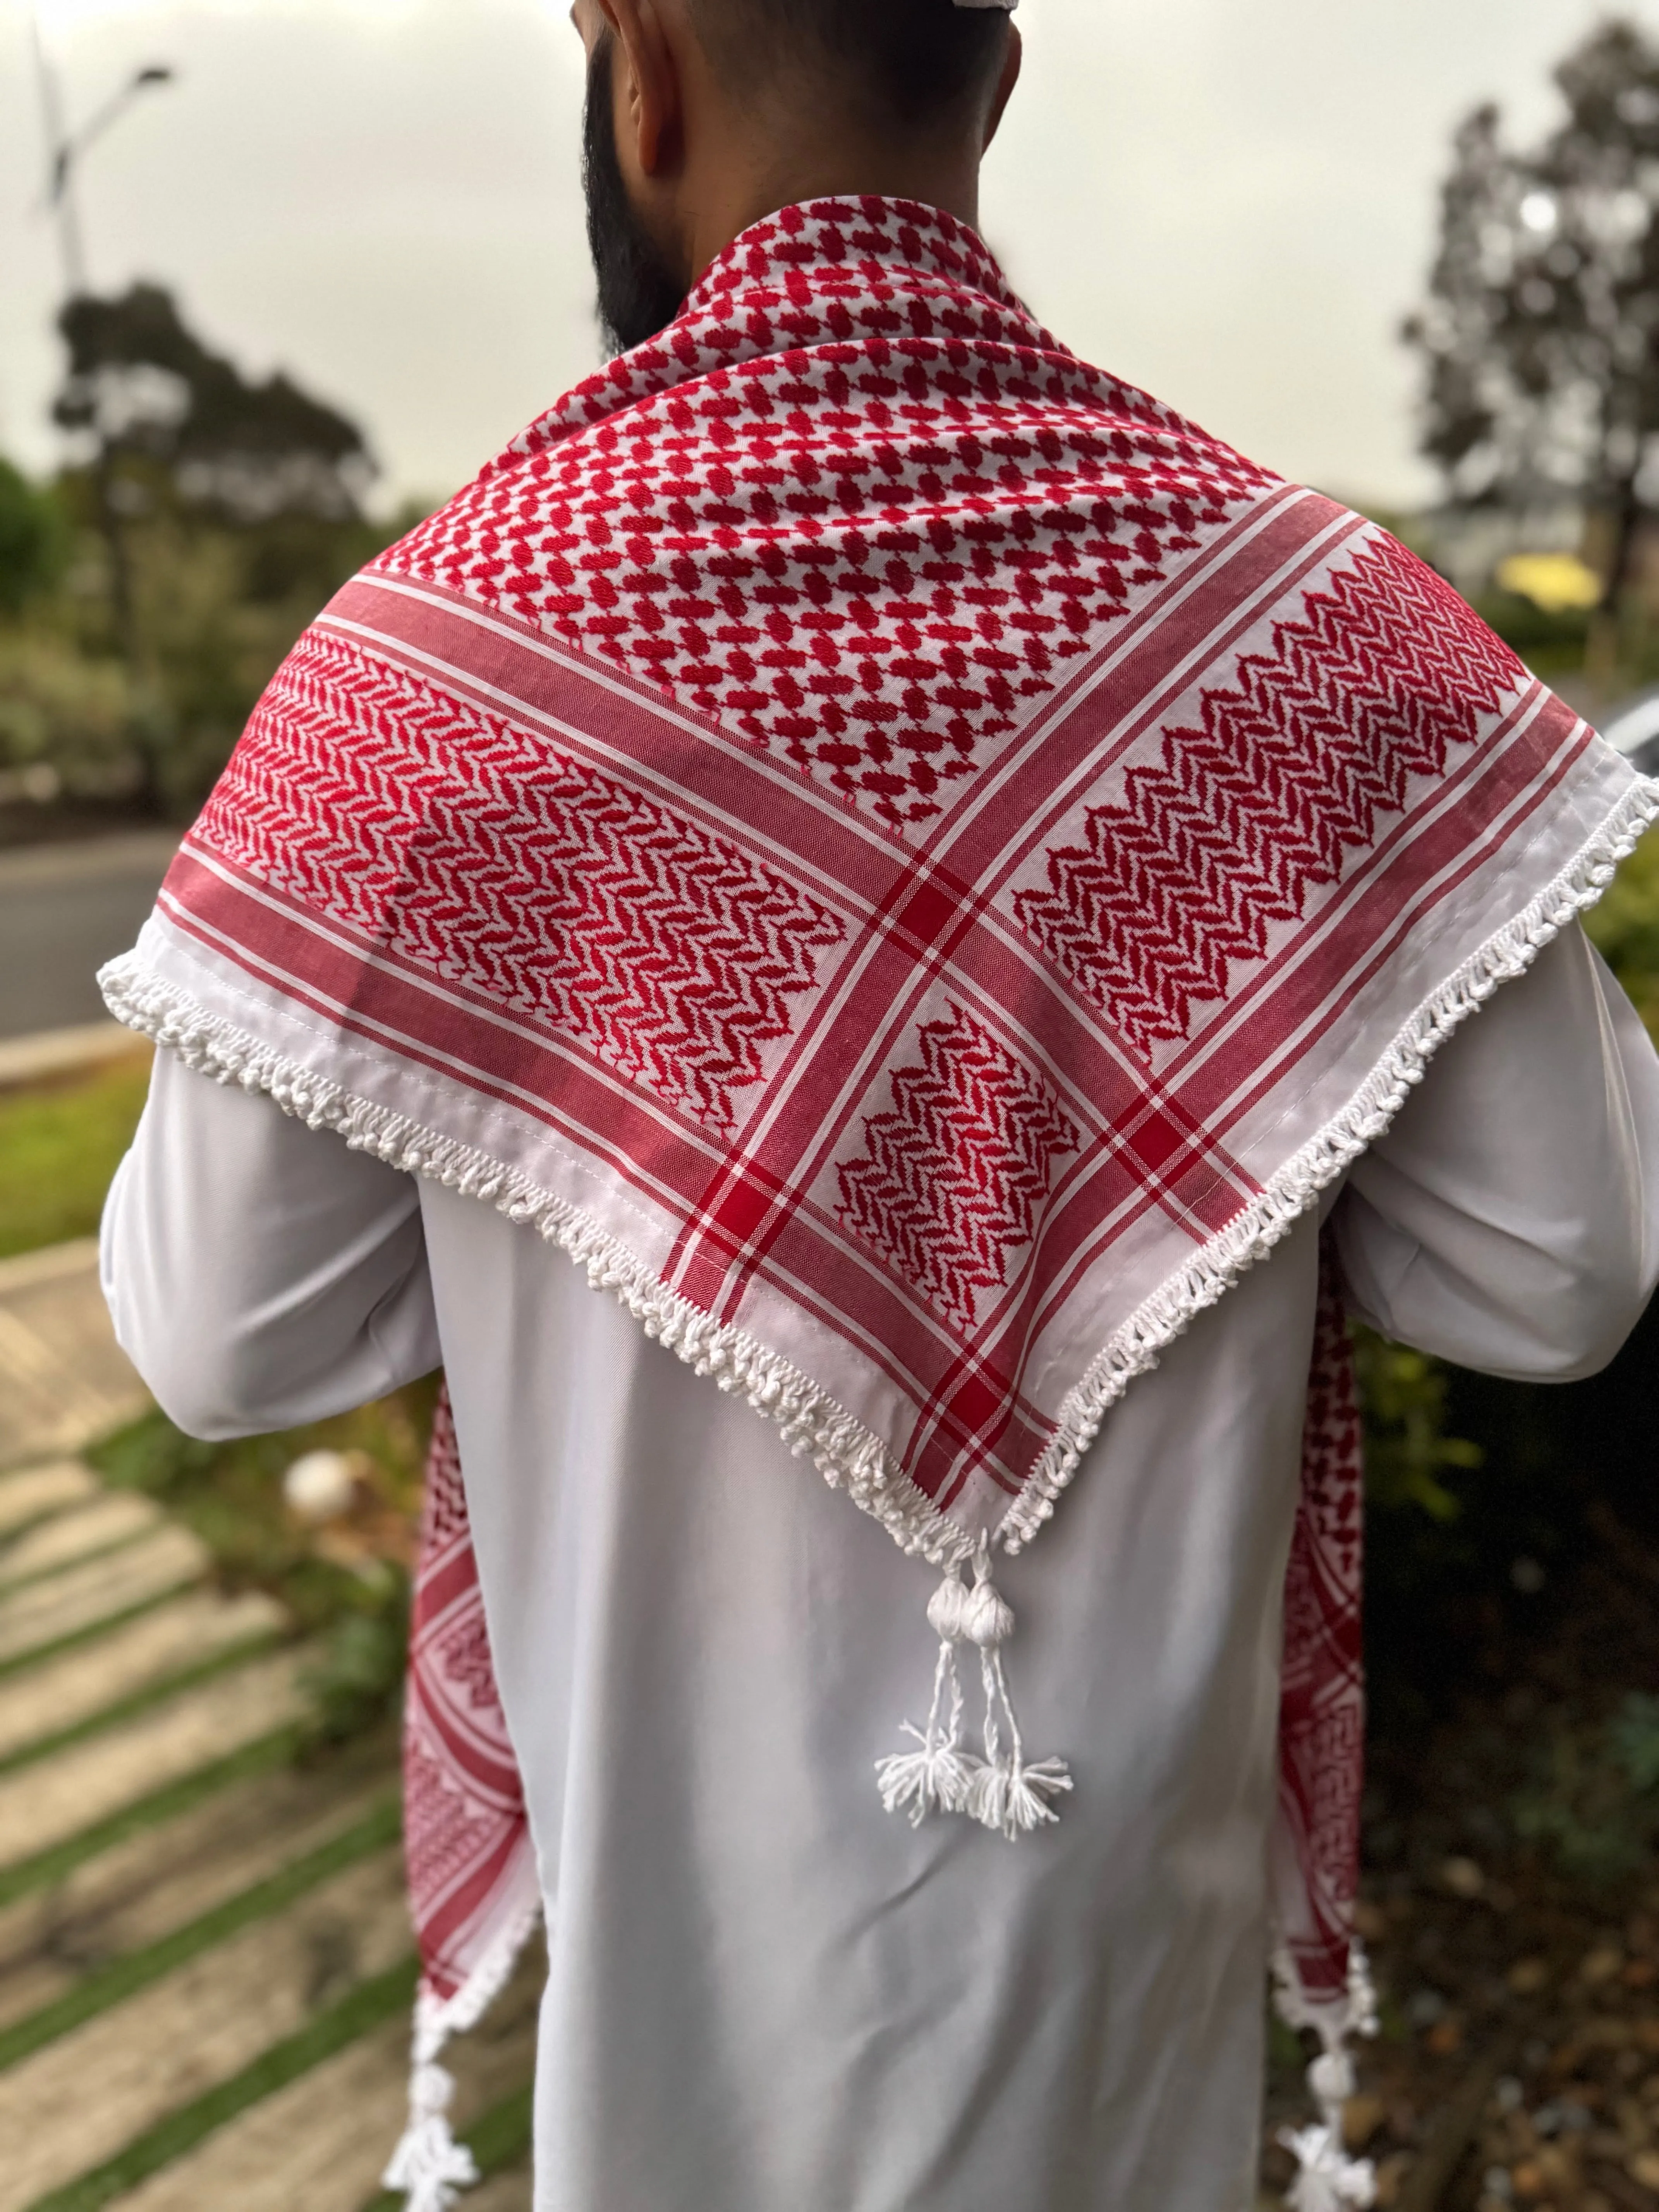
point(205, 1959)
point(46, 1052)
point(62, 1378)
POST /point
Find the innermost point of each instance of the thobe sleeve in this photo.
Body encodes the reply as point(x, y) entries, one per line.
point(258, 1273)
point(1510, 1219)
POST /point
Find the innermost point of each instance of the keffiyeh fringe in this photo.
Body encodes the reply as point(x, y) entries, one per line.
point(428, 2166)
point(1509, 952)
point(811, 1423)
point(1328, 2178)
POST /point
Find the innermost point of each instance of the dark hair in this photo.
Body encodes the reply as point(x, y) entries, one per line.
point(904, 62)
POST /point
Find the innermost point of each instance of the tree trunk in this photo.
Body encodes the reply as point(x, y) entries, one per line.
point(1603, 646)
point(124, 617)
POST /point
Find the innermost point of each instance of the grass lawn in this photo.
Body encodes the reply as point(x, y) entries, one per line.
point(60, 1142)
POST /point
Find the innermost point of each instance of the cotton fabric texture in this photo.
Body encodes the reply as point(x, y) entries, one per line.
point(916, 866)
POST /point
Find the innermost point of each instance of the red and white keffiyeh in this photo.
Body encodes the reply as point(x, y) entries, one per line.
point(915, 866)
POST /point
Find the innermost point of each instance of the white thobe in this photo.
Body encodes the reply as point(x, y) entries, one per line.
point(766, 1994)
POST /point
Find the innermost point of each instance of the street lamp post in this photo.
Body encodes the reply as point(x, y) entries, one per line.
point(64, 149)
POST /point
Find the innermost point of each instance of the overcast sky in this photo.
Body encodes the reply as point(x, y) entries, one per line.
point(1232, 202)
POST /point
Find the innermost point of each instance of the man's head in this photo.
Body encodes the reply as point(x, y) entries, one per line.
point(704, 115)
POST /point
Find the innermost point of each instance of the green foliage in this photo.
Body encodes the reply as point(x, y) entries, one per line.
point(1633, 1740)
point(1591, 1799)
point(1536, 337)
point(34, 539)
point(1625, 927)
point(206, 518)
point(362, 1669)
point(77, 713)
point(60, 1145)
point(1406, 1451)
point(212, 610)
point(231, 1494)
point(211, 646)
point(1551, 645)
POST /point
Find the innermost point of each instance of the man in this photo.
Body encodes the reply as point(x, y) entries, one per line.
point(932, 882)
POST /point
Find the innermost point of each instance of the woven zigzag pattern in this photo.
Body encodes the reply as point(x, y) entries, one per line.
point(1248, 814)
point(869, 520)
point(951, 1179)
point(672, 955)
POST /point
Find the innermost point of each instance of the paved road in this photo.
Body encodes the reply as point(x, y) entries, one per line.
point(64, 909)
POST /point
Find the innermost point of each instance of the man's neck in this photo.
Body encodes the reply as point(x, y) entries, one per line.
point(939, 176)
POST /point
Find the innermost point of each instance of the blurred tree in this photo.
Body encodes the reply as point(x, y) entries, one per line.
point(70, 714)
point(227, 509)
point(1540, 336)
point(168, 414)
point(1540, 344)
point(33, 539)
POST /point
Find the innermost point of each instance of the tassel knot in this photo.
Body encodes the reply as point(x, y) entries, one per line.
point(1331, 2077)
point(947, 1610)
point(999, 1788)
point(988, 1617)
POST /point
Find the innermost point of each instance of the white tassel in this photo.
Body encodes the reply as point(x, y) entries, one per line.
point(1328, 2179)
point(937, 1778)
point(1007, 1795)
point(1362, 1992)
point(428, 2164)
point(1000, 1790)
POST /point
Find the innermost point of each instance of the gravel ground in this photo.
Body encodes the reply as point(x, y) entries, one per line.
point(1511, 1909)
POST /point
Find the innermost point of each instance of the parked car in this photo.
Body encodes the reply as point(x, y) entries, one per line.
point(1633, 728)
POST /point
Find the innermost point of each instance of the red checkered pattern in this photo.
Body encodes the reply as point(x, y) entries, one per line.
point(853, 504)
point(893, 846)
point(1321, 1726)
point(465, 1839)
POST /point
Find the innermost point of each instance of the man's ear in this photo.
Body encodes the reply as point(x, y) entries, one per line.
point(1007, 81)
point(646, 85)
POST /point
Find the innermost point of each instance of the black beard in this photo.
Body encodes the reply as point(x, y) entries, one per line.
point(639, 294)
